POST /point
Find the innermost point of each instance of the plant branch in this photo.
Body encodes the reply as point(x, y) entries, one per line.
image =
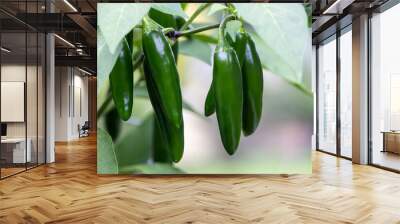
point(206, 38)
point(196, 30)
point(194, 15)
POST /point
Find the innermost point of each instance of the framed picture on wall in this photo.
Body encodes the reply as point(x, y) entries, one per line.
point(204, 88)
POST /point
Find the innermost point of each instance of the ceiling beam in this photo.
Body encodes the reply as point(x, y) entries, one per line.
point(79, 61)
point(86, 27)
point(337, 7)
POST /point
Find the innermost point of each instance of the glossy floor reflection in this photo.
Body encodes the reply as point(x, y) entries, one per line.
point(387, 159)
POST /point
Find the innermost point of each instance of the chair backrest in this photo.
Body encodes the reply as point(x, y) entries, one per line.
point(86, 124)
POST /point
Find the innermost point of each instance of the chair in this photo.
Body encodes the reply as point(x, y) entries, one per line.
point(84, 130)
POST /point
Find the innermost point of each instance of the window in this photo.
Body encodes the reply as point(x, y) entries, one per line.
point(22, 78)
point(327, 96)
point(385, 89)
point(346, 93)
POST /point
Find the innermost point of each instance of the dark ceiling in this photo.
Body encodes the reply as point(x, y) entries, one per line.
point(329, 16)
point(75, 21)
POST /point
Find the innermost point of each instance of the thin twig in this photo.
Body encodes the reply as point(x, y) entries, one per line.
point(196, 30)
point(194, 15)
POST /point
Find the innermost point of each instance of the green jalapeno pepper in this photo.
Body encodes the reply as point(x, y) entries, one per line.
point(160, 150)
point(164, 87)
point(121, 82)
point(210, 101)
point(252, 81)
point(228, 94)
point(167, 20)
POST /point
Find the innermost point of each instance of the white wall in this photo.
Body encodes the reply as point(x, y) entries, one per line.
point(61, 103)
point(71, 94)
point(81, 88)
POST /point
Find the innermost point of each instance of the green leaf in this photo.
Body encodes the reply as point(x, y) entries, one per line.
point(308, 9)
point(156, 168)
point(115, 20)
point(106, 58)
point(184, 5)
point(284, 36)
point(134, 143)
point(106, 158)
point(216, 7)
point(197, 49)
point(278, 66)
point(170, 8)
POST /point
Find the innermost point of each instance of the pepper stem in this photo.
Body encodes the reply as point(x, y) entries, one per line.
point(221, 36)
point(168, 30)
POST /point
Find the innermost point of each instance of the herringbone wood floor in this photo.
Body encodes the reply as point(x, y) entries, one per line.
point(69, 191)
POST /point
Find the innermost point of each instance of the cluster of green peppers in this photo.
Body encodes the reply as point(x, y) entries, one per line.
point(235, 93)
point(162, 81)
point(121, 76)
point(236, 89)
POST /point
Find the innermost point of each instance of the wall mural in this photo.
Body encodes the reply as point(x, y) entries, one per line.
point(204, 88)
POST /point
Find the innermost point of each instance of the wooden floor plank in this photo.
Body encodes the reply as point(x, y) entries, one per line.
point(70, 191)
